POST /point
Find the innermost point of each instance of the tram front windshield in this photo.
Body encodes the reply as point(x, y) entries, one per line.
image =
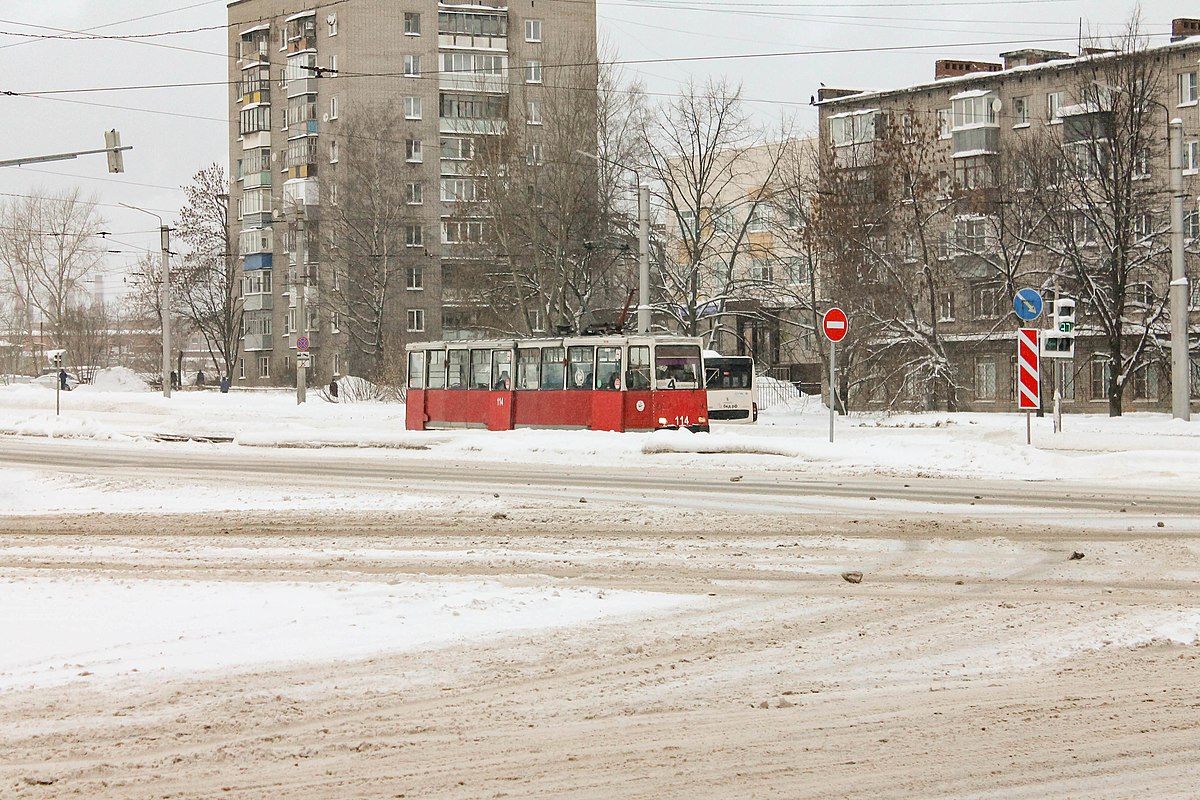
point(677, 366)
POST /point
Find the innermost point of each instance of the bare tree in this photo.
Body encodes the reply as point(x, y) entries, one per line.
point(89, 335)
point(1106, 224)
point(205, 283)
point(547, 193)
point(696, 148)
point(370, 237)
point(49, 245)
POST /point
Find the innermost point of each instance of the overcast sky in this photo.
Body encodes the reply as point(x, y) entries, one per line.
point(176, 131)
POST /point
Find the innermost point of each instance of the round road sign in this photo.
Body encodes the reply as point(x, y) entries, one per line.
point(1027, 304)
point(834, 324)
point(301, 343)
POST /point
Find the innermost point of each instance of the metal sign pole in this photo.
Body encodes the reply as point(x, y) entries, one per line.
point(1028, 429)
point(832, 386)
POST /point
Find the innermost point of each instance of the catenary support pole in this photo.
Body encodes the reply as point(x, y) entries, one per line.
point(643, 312)
point(1180, 389)
point(164, 235)
point(301, 289)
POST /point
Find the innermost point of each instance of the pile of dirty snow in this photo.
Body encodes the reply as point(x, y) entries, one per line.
point(119, 379)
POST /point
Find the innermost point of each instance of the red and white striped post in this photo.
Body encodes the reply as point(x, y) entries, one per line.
point(1029, 376)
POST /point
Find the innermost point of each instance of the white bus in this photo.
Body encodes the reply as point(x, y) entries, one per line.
point(729, 381)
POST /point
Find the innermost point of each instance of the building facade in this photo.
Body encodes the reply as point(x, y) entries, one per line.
point(953, 180)
point(453, 73)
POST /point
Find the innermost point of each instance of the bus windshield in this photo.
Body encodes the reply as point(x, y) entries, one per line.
point(728, 373)
point(676, 366)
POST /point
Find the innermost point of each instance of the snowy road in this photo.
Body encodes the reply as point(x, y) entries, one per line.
point(766, 489)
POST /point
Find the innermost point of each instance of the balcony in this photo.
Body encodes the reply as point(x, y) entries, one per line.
point(306, 127)
point(299, 86)
point(254, 261)
point(257, 302)
point(488, 127)
point(256, 180)
point(257, 342)
point(302, 171)
point(300, 191)
point(469, 41)
point(302, 43)
point(256, 139)
point(472, 82)
point(257, 219)
point(255, 92)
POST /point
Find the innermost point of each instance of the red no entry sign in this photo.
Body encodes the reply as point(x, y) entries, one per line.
point(834, 324)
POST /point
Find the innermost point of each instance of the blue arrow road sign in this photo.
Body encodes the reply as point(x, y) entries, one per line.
point(1028, 304)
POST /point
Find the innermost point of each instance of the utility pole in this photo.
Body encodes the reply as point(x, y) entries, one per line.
point(164, 236)
point(643, 259)
point(1180, 389)
point(301, 289)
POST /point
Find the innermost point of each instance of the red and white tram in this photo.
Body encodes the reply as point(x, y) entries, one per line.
point(607, 383)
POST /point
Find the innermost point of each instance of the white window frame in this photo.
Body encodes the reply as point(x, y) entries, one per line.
point(264, 367)
point(331, 21)
point(414, 236)
point(412, 23)
point(416, 320)
point(412, 107)
point(414, 279)
point(413, 152)
point(533, 30)
point(333, 107)
point(412, 66)
point(1054, 104)
point(1189, 90)
point(533, 112)
point(533, 71)
point(1021, 111)
point(333, 151)
point(415, 193)
point(1191, 156)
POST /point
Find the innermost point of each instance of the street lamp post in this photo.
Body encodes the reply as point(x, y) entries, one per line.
point(164, 236)
point(1179, 282)
point(643, 200)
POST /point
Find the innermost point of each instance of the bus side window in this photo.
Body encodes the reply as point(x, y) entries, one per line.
point(528, 363)
point(638, 376)
point(581, 363)
point(456, 376)
point(416, 370)
point(481, 369)
point(552, 367)
point(608, 368)
point(436, 373)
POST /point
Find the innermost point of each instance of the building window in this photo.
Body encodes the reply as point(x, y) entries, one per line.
point(333, 151)
point(415, 278)
point(987, 300)
point(1101, 373)
point(333, 62)
point(761, 269)
point(946, 307)
point(1191, 157)
point(1191, 225)
point(533, 72)
point(1141, 163)
point(534, 316)
point(533, 112)
point(335, 322)
point(412, 151)
point(416, 193)
point(971, 234)
point(333, 107)
point(331, 21)
point(414, 236)
point(978, 109)
point(760, 219)
point(241, 369)
point(412, 23)
point(985, 378)
point(1054, 102)
point(264, 366)
point(412, 107)
point(462, 232)
point(974, 172)
point(943, 123)
point(1020, 111)
point(533, 155)
point(416, 319)
point(412, 66)
point(533, 30)
point(1187, 89)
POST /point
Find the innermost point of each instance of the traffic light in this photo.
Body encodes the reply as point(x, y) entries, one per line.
point(1060, 342)
point(112, 143)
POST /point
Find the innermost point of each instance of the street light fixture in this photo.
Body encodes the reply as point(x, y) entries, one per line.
point(164, 297)
point(643, 310)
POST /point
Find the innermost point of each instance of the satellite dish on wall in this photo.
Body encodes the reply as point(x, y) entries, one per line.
point(997, 105)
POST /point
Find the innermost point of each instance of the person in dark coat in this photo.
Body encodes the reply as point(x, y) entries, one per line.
point(333, 387)
point(200, 378)
point(224, 384)
point(62, 381)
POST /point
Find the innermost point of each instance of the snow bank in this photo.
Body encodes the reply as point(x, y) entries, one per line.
point(118, 379)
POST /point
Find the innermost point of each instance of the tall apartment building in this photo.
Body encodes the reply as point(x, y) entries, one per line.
point(982, 119)
point(458, 71)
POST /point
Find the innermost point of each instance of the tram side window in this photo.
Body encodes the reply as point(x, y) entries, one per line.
point(638, 378)
point(456, 374)
point(676, 366)
point(552, 367)
point(416, 370)
point(581, 363)
point(481, 368)
point(502, 370)
point(608, 368)
point(437, 370)
point(528, 360)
